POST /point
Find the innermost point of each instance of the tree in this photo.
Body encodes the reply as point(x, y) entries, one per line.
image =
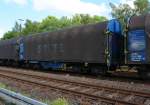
point(9, 35)
point(124, 11)
point(97, 19)
point(64, 22)
point(121, 12)
point(141, 6)
point(86, 19)
point(16, 31)
point(30, 27)
point(51, 23)
point(76, 19)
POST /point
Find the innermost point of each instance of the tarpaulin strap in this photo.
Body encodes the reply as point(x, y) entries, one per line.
point(108, 60)
point(106, 51)
point(125, 51)
point(107, 32)
point(125, 40)
point(126, 29)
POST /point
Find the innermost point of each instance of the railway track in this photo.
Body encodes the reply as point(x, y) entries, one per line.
point(11, 98)
point(85, 91)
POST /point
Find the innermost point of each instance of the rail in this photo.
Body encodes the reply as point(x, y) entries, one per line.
point(110, 95)
point(16, 98)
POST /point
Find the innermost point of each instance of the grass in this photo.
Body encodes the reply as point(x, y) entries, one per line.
point(60, 101)
point(3, 86)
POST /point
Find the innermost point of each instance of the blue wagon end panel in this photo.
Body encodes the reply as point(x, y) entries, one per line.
point(137, 46)
point(20, 48)
point(21, 51)
point(114, 26)
point(114, 43)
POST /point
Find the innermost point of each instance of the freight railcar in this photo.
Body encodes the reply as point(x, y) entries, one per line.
point(138, 44)
point(8, 50)
point(93, 47)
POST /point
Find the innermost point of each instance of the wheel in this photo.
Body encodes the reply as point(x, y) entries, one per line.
point(143, 73)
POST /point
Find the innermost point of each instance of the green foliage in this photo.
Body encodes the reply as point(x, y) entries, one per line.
point(121, 12)
point(10, 34)
point(2, 85)
point(51, 23)
point(142, 6)
point(124, 11)
point(98, 19)
point(86, 19)
point(60, 101)
point(64, 22)
point(30, 27)
point(17, 27)
point(16, 31)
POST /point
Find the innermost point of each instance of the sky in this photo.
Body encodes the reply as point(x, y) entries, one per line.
point(36, 10)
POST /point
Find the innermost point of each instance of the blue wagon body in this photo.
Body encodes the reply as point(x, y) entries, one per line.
point(138, 40)
point(137, 46)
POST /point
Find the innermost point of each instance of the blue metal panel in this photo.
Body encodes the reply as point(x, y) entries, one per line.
point(47, 65)
point(21, 51)
point(34, 62)
point(114, 26)
point(137, 40)
point(137, 56)
point(115, 47)
point(21, 48)
point(137, 45)
point(113, 41)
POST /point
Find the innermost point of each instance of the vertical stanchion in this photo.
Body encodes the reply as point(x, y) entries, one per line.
point(107, 50)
